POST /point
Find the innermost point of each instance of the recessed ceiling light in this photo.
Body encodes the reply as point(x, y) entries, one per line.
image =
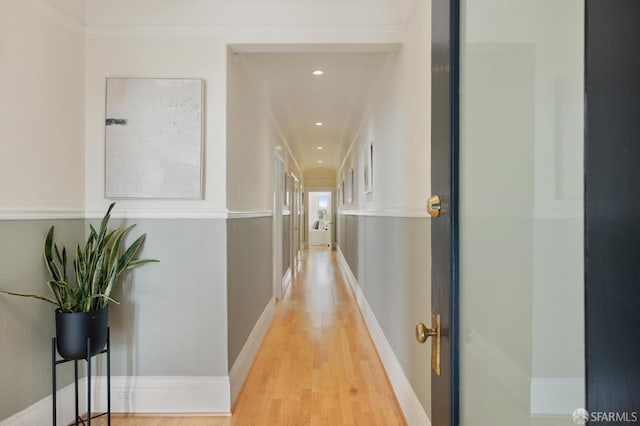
point(319, 161)
point(319, 148)
point(318, 72)
point(319, 123)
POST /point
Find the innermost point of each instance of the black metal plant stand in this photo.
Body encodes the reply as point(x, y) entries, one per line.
point(55, 362)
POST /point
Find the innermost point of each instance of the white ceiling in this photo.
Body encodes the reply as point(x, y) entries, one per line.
point(298, 99)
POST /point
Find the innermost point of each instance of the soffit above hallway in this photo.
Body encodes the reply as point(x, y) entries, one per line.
point(299, 100)
point(247, 12)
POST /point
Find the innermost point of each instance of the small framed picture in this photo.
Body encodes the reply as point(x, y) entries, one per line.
point(350, 186)
point(287, 191)
point(367, 167)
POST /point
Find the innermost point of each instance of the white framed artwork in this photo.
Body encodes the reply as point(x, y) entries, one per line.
point(153, 138)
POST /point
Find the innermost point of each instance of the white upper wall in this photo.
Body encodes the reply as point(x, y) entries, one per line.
point(398, 125)
point(189, 39)
point(157, 57)
point(42, 109)
point(252, 138)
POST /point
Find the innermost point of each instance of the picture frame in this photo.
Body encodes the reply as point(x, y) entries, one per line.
point(350, 187)
point(154, 130)
point(286, 193)
point(367, 168)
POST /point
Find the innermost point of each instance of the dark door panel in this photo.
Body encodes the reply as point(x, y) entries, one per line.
point(612, 210)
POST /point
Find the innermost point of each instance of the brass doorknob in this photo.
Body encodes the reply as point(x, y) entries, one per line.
point(434, 206)
point(423, 332)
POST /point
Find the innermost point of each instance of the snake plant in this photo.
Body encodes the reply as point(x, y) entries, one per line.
point(96, 268)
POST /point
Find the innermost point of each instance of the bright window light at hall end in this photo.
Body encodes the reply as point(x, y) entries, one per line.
point(318, 72)
point(319, 161)
point(319, 148)
point(319, 123)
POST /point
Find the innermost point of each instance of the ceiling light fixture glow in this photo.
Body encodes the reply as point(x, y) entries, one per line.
point(318, 72)
point(319, 161)
point(319, 148)
point(319, 123)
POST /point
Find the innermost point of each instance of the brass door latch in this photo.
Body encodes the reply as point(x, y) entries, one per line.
point(423, 333)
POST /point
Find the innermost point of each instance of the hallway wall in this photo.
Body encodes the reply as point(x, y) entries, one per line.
point(250, 288)
point(389, 258)
point(384, 236)
point(169, 309)
point(252, 137)
point(41, 181)
point(42, 110)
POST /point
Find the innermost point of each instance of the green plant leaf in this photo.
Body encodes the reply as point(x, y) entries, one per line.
point(48, 256)
point(113, 272)
point(97, 277)
point(126, 258)
point(97, 267)
point(58, 288)
point(35, 296)
point(136, 263)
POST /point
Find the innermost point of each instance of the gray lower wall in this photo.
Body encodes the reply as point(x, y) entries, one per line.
point(250, 275)
point(172, 320)
point(390, 258)
point(27, 325)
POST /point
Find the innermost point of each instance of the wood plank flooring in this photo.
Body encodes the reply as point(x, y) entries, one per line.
point(317, 364)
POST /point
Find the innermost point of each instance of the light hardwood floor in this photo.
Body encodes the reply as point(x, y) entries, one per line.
point(317, 364)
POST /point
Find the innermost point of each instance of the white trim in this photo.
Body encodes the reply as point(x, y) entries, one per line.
point(39, 214)
point(246, 215)
point(141, 394)
point(159, 213)
point(387, 213)
point(124, 213)
point(383, 47)
point(240, 370)
point(286, 281)
point(164, 394)
point(267, 34)
point(40, 413)
point(556, 395)
point(409, 403)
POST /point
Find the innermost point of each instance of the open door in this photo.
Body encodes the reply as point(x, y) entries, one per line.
point(507, 236)
point(443, 326)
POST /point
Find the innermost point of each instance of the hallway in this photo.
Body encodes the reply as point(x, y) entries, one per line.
point(317, 364)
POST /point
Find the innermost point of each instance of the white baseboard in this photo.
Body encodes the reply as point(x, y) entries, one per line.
point(41, 412)
point(286, 281)
point(409, 403)
point(164, 394)
point(556, 395)
point(135, 394)
point(243, 363)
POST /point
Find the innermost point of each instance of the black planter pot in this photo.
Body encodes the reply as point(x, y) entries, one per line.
point(73, 329)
